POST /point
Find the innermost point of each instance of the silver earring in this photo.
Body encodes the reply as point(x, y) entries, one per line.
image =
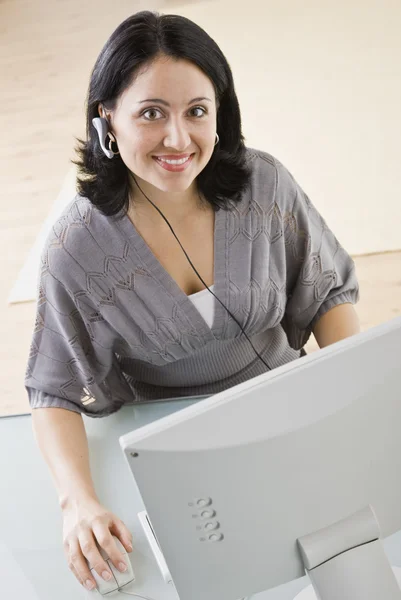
point(102, 127)
point(111, 140)
point(217, 139)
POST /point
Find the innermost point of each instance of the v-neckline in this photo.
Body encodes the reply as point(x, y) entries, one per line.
point(220, 274)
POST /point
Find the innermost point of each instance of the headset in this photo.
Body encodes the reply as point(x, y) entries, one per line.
point(189, 260)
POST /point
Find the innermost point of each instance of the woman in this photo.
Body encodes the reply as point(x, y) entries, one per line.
point(187, 264)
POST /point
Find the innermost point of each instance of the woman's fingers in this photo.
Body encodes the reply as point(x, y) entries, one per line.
point(109, 545)
point(79, 567)
point(89, 532)
point(121, 531)
point(90, 552)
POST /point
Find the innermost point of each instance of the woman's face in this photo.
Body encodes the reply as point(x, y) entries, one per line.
point(165, 124)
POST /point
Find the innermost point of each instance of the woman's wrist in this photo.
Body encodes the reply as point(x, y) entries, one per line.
point(73, 499)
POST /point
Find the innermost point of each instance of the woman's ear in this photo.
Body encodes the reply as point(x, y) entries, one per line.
point(101, 111)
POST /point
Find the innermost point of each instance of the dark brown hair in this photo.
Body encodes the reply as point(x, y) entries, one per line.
point(135, 43)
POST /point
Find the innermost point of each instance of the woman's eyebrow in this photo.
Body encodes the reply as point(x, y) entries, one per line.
point(160, 101)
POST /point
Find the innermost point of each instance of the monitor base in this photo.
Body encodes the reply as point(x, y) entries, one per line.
point(309, 593)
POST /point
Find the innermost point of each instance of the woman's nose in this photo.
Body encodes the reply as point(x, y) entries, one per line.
point(177, 136)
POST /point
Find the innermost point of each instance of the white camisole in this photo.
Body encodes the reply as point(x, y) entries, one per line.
point(204, 302)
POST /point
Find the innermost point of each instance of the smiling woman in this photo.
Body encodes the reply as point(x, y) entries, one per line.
point(166, 92)
point(159, 127)
point(171, 203)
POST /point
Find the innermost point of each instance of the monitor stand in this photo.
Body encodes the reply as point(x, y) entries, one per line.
point(347, 560)
point(308, 593)
point(361, 572)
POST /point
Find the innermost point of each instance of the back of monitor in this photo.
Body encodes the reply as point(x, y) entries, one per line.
point(231, 483)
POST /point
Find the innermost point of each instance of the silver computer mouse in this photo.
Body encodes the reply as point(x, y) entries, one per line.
point(119, 579)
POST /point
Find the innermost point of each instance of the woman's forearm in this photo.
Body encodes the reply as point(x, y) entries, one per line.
point(62, 440)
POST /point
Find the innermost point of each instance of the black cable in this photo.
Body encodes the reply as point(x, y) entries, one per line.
point(189, 260)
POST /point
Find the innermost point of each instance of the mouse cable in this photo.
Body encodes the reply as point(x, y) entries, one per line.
point(136, 595)
point(189, 260)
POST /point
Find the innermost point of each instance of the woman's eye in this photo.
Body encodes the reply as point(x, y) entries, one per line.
point(154, 114)
point(151, 114)
point(198, 111)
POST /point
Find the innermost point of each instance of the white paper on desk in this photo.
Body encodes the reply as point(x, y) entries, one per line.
point(25, 287)
point(13, 582)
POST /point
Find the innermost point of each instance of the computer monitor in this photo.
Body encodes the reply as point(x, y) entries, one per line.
point(231, 483)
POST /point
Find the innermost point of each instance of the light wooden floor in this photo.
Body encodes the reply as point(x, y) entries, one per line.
point(47, 50)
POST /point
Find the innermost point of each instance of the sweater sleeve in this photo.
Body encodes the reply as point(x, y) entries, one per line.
point(67, 367)
point(320, 274)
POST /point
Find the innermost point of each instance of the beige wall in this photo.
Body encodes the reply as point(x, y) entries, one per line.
point(319, 84)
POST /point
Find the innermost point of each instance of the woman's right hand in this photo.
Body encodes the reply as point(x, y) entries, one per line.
point(86, 525)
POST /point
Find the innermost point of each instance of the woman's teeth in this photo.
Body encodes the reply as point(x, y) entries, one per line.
point(180, 161)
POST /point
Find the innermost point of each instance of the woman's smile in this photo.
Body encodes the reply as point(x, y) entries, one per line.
point(174, 163)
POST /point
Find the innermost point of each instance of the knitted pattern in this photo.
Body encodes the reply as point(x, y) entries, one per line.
point(113, 327)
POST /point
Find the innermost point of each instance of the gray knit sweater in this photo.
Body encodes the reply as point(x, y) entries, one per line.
point(114, 328)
